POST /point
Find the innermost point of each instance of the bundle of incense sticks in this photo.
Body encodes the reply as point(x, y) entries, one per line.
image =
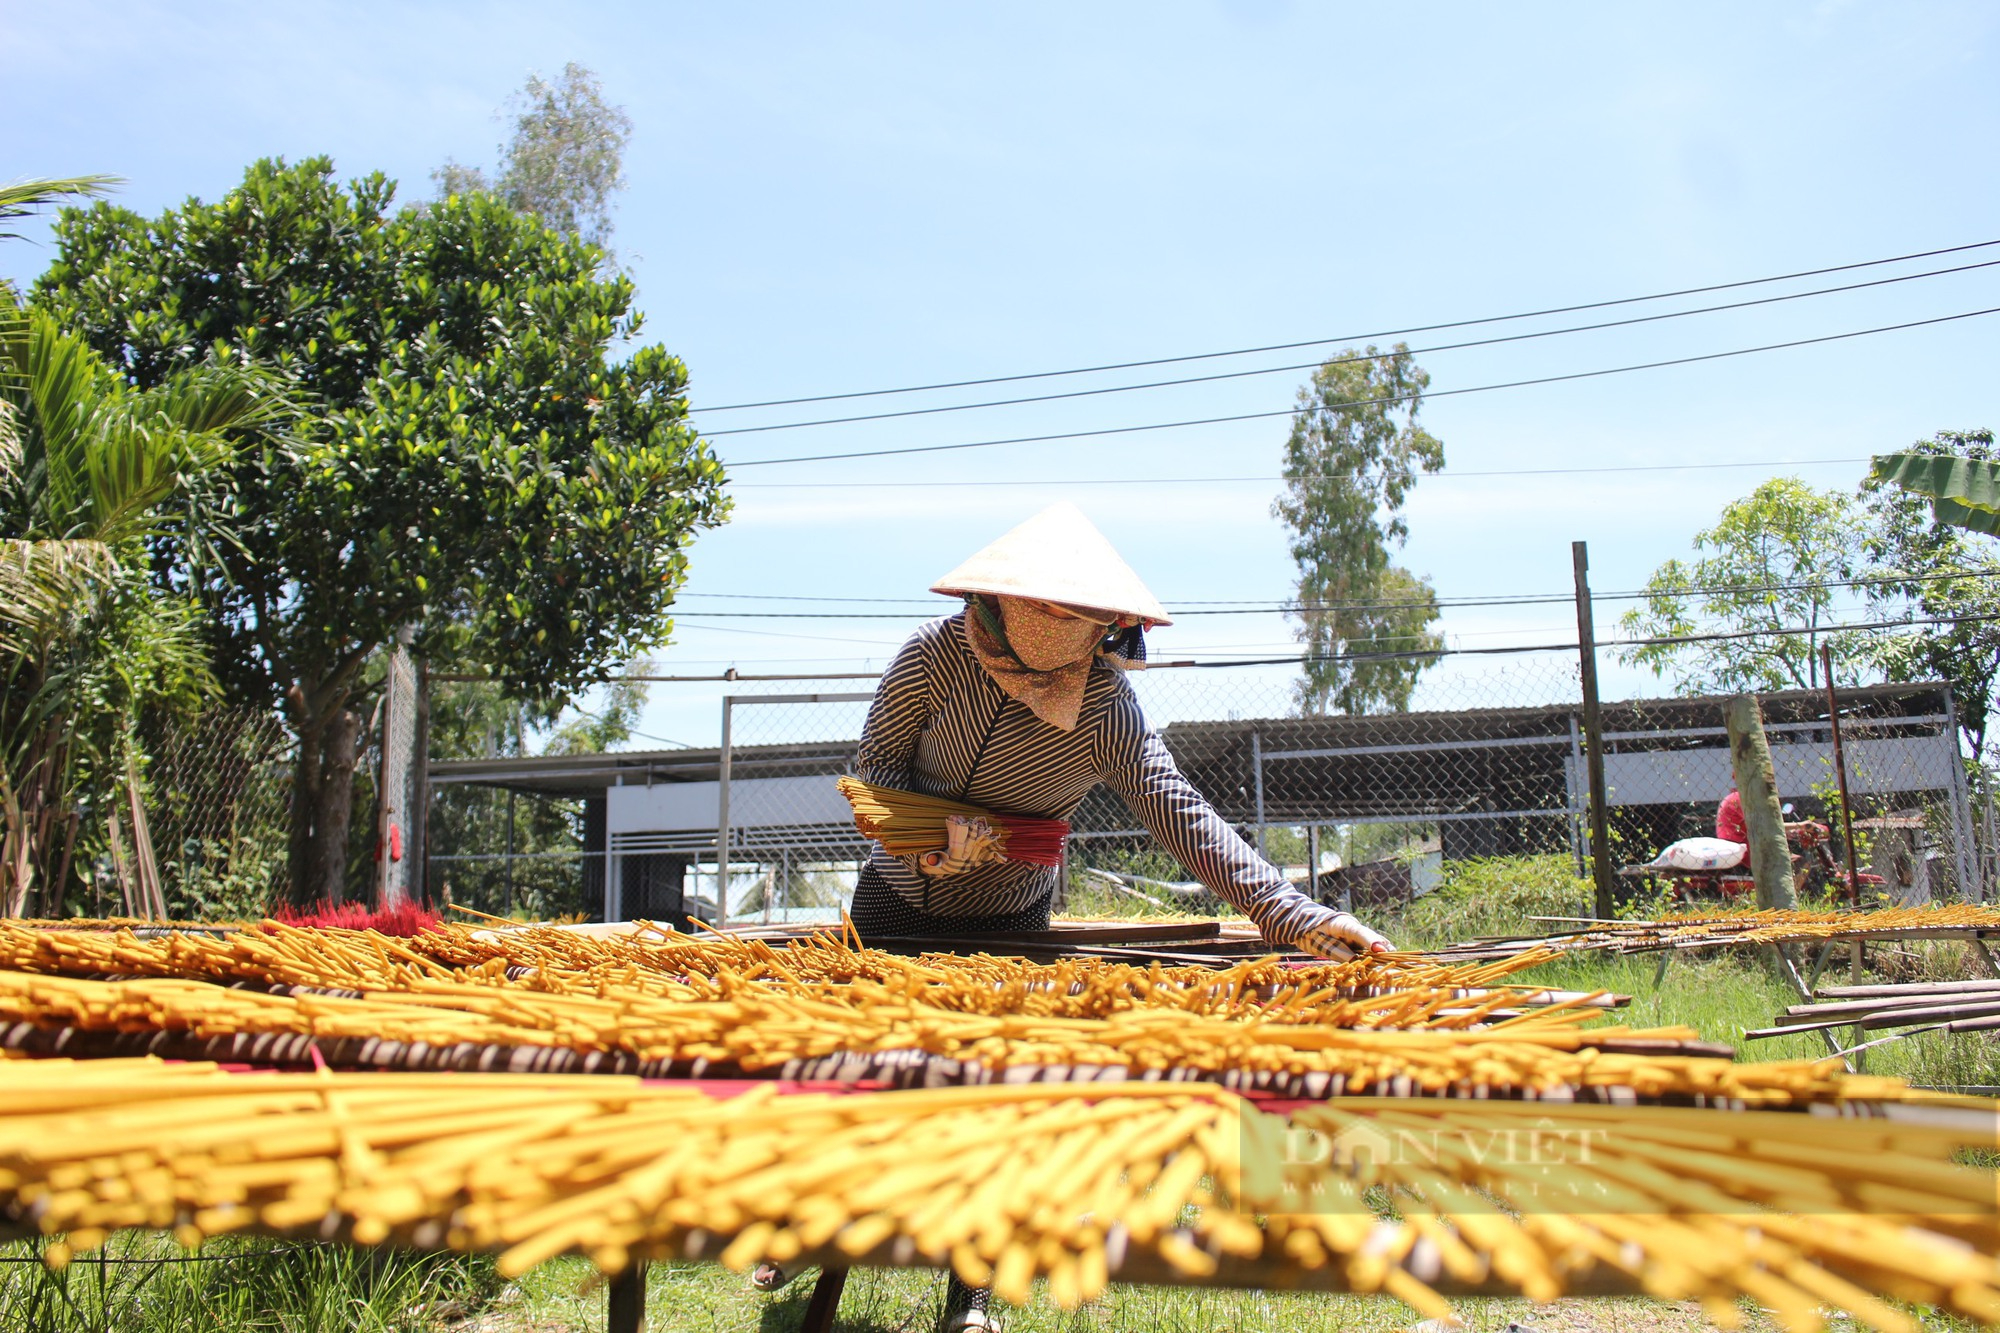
point(906, 822)
point(1803, 1214)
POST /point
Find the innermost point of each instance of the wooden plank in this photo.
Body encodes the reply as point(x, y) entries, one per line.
point(1913, 988)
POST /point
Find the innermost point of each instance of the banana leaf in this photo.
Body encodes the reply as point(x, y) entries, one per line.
point(1964, 492)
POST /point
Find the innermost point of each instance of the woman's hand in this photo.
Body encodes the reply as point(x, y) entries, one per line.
point(1342, 938)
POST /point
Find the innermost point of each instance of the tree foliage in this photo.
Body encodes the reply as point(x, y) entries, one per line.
point(87, 643)
point(1355, 451)
point(565, 161)
point(479, 467)
point(1763, 567)
point(1932, 564)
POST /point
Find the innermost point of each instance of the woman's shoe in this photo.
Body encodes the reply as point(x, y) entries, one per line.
point(768, 1276)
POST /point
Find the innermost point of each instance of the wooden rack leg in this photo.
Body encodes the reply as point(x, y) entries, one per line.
point(628, 1301)
point(825, 1300)
point(1790, 972)
point(1981, 957)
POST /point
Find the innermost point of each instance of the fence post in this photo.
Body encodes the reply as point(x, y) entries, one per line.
point(1840, 774)
point(1763, 819)
point(1964, 867)
point(1593, 735)
point(1257, 766)
point(416, 843)
point(722, 816)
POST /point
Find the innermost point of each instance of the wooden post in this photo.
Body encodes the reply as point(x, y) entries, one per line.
point(627, 1312)
point(724, 763)
point(825, 1301)
point(416, 842)
point(1312, 862)
point(1840, 774)
point(1763, 818)
point(1257, 768)
point(1601, 871)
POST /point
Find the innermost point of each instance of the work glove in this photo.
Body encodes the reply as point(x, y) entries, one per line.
point(1341, 937)
point(969, 841)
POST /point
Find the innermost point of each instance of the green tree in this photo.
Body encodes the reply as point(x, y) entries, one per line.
point(479, 466)
point(1355, 451)
point(565, 162)
point(1944, 571)
point(1762, 568)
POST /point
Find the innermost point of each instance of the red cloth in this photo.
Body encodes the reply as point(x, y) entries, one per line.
point(1729, 819)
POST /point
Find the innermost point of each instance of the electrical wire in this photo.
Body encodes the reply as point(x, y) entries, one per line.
point(1233, 607)
point(1356, 337)
point(1365, 402)
point(1667, 640)
point(1302, 659)
point(1324, 476)
point(1371, 355)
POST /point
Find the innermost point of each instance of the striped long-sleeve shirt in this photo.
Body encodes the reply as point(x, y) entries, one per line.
point(940, 725)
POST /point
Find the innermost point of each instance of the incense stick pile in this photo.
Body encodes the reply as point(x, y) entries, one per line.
point(437, 1025)
point(909, 823)
point(1007, 1185)
point(1708, 930)
point(663, 963)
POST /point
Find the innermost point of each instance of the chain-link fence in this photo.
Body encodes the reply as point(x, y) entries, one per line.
point(1489, 762)
point(218, 811)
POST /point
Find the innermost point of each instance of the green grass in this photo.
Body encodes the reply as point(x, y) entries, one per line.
point(142, 1282)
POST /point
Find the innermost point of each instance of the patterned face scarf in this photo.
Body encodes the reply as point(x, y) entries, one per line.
point(1036, 655)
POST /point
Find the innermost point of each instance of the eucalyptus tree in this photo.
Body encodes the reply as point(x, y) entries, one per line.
point(1355, 451)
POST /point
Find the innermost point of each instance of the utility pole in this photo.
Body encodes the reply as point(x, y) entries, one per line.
point(1593, 736)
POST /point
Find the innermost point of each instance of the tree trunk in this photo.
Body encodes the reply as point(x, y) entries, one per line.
point(340, 750)
point(1763, 815)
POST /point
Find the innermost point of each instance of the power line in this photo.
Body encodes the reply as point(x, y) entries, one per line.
point(1347, 360)
point(1353, 337)
point(1434, 478)
point(1300, 659)
point(1367, 402)
point(1668, 640)
point(1234, 606)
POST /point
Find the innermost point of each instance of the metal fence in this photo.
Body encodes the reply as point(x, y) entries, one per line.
point(1491, 762)
point(218, 808)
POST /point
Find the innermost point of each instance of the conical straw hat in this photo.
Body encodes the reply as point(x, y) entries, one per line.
point(1057, 556)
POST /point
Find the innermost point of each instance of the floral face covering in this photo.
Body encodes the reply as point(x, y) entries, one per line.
point(1039, 656)
point(1046, 640)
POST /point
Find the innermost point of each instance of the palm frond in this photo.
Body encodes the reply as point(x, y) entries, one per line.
point(68, 391)
point(43, 586)
point(10, 445)
point(22, 198)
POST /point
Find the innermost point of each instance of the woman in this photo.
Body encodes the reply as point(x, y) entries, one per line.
point(1019, 705)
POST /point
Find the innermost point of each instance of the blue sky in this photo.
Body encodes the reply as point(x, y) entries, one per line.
point(832, 198)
